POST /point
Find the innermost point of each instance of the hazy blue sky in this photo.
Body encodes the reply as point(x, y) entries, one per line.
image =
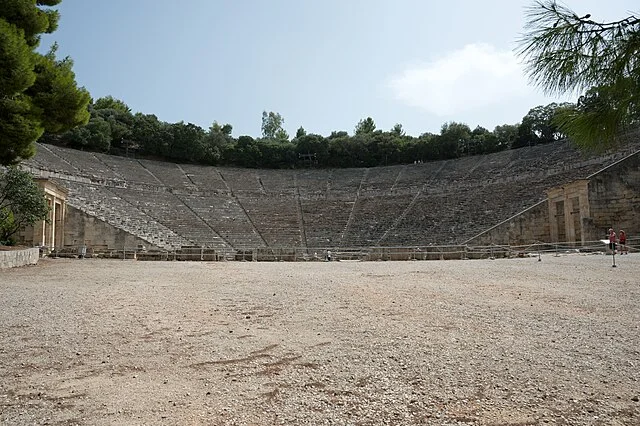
point(323, 65)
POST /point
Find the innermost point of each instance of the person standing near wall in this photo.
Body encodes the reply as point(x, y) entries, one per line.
point(622, 239)
point(612, 240)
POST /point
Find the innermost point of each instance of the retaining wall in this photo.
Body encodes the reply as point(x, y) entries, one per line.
point(614, 201)
point(614, 198)
point(84, 229)
point(532, 225)
point(15, 258)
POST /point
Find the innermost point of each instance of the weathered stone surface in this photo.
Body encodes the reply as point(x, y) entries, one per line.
point(495, 199)
point(607, 198)
point(16, 258)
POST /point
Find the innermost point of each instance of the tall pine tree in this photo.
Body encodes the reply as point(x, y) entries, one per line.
point(568, 53)
point(37, 92)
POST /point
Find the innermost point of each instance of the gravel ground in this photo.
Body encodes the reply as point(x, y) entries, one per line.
point(486, 342)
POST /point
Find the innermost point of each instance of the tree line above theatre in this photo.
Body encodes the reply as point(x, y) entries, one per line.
point(563, 52)
point(114, 128)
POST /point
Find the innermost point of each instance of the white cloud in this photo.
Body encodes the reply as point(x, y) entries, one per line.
point(469, 79)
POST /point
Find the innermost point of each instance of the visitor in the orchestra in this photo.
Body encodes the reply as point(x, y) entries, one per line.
point(612, 240)
point(622, 239)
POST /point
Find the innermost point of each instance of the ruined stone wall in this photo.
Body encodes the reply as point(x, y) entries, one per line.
point(83, 229)
point(614, 198)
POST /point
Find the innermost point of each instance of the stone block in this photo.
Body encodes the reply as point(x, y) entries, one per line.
point(16, 258)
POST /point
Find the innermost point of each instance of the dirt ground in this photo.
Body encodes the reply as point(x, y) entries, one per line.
point(485, 342)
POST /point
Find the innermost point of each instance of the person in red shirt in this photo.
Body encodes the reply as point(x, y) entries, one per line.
point(612, 240)
point(622, 238)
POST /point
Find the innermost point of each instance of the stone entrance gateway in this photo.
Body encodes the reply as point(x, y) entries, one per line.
point(49, 233)
point(568, 211)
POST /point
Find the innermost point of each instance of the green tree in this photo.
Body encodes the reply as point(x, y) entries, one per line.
point(111, 125)
point(225, 129)
point(272, 123)
point(340, 150)
point(300, 132)
point(384, 148)
point(483, 142)
point(22, 203)
point(365, 126)
point(94, 136)
point(568, 53)
point(246, 152)
point(540, 126)
point(55, 95)
point(109, 102)
point(506, 135)
point(120, 124)
point(276, 154)
point(426, 148)
point(187, 142)
point(416, 149)
point(150, 134)
point(216, 142)
point(312, 145)
point(99, 135)
point(398, 130)
point(282, 135)
point(454, 140)
point(37, 92)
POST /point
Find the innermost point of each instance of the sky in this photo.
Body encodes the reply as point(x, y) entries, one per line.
point(322, 64)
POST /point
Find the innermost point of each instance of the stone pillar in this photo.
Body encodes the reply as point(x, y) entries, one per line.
point(52, 224)
point(569, 225)
point(41, 233)
point(59, 218)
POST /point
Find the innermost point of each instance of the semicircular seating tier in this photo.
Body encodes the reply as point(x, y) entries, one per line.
point(442, 202)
